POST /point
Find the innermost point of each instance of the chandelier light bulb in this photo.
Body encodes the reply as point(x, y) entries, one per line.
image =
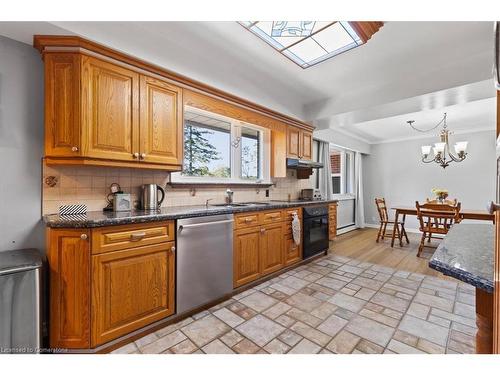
point(426, 150)
point(439, 147)
point(460, 147)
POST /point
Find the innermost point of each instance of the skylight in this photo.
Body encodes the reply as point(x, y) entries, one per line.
point(306, 42)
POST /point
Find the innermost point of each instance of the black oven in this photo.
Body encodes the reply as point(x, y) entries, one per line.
point(315, 230)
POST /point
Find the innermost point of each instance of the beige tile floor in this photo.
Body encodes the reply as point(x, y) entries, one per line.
point(335, 304)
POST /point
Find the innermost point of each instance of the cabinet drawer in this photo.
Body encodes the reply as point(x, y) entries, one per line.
point(271, 217)
point(127, 236)
point(246, 220)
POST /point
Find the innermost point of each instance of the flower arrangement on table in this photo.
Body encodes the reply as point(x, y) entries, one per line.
point(441, 194)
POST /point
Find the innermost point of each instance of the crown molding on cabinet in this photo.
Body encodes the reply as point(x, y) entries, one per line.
point(57, 43)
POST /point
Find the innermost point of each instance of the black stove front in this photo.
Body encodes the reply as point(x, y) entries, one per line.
point(315, 229)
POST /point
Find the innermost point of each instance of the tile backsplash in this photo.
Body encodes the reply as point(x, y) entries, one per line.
point(90, 186)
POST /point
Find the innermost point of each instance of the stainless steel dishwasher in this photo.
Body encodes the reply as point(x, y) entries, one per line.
point(204, 260)
point(20, 301)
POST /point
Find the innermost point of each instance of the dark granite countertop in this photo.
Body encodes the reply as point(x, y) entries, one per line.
point(99, 218)
point(467, 254)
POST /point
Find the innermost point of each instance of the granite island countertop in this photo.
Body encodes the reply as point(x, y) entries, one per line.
point(95, 219)
point(467, 254)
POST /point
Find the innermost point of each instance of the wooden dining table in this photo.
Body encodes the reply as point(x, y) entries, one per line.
point(464, 214)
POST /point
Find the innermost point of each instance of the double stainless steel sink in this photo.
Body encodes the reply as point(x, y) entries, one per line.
point(242, 204)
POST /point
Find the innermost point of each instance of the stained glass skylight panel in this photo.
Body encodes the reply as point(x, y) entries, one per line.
point(306, 42)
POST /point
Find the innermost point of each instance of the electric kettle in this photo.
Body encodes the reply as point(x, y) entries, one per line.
point(149, 196)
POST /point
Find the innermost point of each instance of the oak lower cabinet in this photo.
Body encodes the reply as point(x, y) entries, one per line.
point(246, 244)
point(69, 257)
point(292, 252)
point(261, 244)
point(131, 289)
point(271, 248)
point(332, 221)
point(100, 293)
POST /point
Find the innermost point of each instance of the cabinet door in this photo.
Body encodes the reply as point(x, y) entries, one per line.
point(110, 105)
point(293, 143)
point(161, 122)
point(306, 141)
point(131, 289)
point(271, 248)
point(332, 221)
point(62, 105)
point(69, 263)
point(293, 252)
point(246, 256)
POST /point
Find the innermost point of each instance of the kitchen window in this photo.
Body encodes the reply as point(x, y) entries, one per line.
point(342, 162)
point(221, 149)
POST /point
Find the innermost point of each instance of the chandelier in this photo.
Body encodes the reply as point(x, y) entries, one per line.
point(442, 152)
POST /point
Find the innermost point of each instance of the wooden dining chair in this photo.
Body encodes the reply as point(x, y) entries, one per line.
point(448, 202)
point(399, 227)
point(436, 219)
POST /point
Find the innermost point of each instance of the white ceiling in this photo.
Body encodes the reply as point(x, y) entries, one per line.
point(404, 60)
point(473, 116)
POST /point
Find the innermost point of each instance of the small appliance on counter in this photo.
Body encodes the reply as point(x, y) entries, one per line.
point(118, 200)
point(310, 195)
point(149, 197)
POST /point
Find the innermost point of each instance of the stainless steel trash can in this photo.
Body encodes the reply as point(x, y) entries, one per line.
point(20, 301)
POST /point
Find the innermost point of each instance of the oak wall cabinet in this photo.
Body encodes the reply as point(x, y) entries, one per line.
point(299, 143)
point(110, 281)
point(106, 108)
point(102, 113)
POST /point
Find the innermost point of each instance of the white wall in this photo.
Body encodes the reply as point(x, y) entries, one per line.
point(343, 140)
point(394, 171)
point(21, 145)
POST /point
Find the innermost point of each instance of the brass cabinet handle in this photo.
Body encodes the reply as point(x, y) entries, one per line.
point(137, 236)
point(135, 155)
point(143, 156)
point(263, 230)
point(74, 149)
point(172, 249)
point(248, 220)
point(83, 236)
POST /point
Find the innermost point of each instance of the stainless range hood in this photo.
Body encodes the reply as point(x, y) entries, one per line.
point(302, 164)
